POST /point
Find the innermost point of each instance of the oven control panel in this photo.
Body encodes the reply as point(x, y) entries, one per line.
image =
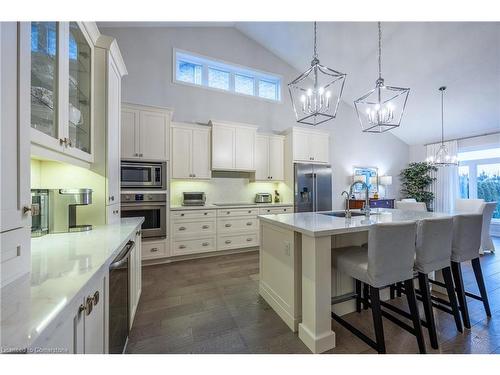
point(143, 197)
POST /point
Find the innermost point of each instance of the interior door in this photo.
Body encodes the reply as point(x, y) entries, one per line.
point(201, 153)
point(322, 187)
point(181, 152)
point(304, 187)
point(276, 161)
point(153, 135)
point(262, 158)
point(129, 133)
point(113, 133)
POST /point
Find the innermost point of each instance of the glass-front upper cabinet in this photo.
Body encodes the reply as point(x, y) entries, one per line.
point(44, 73)
point(80, 65)
point(61, 89)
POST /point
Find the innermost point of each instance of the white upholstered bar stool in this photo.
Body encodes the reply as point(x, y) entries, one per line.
point(469, 205)
point(465, 247)
point(387, 259)
point(411, 206)
point(433, 252)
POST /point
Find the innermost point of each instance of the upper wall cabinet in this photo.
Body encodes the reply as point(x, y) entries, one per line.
point(309, 146)
point(62, 76)
point(144, 132)
point(269, 158)
point(233, 147)
point(190, 151)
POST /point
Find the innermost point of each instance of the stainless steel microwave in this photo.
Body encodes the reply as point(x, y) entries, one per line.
point(143, 175)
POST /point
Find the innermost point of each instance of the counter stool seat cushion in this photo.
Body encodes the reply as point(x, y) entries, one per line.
point(352, 261)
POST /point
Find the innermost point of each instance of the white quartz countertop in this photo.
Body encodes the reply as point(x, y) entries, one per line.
point(236, 205)
point(62, 265)
point(316, 224)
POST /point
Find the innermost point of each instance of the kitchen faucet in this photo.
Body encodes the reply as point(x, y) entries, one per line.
point(366, 207)
point(347, 210)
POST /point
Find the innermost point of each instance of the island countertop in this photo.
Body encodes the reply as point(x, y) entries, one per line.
point(317, 224)
point(61, 265)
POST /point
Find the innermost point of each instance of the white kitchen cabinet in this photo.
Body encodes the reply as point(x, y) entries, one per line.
point(15, 199)
point(62, 90)
point(190, 151)
point(110, 69)
point(135, 281)
point(144, 132)
point(233, 147)
point(153, 250)
point(113, 213)
point(269, 158)
point(308, 146)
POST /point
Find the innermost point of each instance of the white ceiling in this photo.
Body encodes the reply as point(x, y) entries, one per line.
point(464, 56)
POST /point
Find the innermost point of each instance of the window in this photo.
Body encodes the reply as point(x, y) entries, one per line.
point(205, 72)
point(479, 176)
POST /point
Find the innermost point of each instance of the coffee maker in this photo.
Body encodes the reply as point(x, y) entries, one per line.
point(62, 209)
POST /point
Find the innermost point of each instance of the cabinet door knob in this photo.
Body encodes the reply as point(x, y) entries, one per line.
point(96, 298)
point(228, 225)
point(194, 175)
point(228, 242)
point(204, 244)
point(205, 213)
point(154, 249)
point(249, 211)
point(228, 212)
point(182, 214)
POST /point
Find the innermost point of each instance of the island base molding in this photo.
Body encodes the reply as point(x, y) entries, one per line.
point(279, 306)
point(317, 343)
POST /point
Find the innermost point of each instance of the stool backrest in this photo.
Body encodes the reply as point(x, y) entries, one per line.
point(466, 237)
point(411, 206)
point(391, 252)
point(469, 205)
point(433, 249)
point(489, 208)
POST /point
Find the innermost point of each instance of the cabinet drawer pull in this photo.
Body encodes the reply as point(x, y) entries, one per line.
point(96, 298)
point(228, 242)
point(249, 211)
point(204, 244)
point(154, 249)
point(205, 213)
point(249, 239)
point(81, 309)
point(205, 226)
point(182, 246)
point(89, 305)
point(228, 212)
point(228, 225)
point(182, 228)
point(182, 214)
point(249, 223)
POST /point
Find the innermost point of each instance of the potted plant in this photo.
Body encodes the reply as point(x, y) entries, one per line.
point(415, 180)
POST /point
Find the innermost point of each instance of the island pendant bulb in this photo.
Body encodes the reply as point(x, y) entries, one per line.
point(315, 100)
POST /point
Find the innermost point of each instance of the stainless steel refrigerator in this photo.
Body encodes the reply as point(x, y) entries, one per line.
point(313, 187)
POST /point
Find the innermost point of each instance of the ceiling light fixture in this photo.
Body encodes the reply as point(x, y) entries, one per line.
point(316, 93)
point(382, 108)
point(442, 157)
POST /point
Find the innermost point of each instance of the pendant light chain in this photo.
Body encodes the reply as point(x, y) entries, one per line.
point(379, 50)
point(315, 54)
point(442, 117)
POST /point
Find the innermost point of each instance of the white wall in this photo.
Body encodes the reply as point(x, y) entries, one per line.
point(148, 55)
point(418, 153)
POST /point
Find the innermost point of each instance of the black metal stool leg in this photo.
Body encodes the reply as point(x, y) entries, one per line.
point(423, 284)
point(392, 289)
point(377, 319)
point(476, 266)
point(358, 295)
point(398, 289)
point(412, 303)
point(365, 296)
point(459, 285)
point(450, 288)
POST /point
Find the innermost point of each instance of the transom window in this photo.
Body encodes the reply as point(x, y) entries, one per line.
point(200, 71)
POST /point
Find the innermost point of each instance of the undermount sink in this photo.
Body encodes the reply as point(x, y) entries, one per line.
point(342, 214)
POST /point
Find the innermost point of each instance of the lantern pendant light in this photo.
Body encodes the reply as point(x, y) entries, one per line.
point(316, 93)
point(442, 157)
point(382, 108)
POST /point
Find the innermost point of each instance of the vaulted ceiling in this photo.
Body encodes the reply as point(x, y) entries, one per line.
point(464, 56)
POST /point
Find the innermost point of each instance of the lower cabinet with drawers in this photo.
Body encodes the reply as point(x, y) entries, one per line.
point(196, 231)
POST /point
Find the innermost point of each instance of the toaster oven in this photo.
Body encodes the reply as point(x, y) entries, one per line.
point(191, 198)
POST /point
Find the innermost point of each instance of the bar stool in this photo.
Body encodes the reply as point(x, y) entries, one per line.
point(465, 246)
point(387, 259)
point(433, 251)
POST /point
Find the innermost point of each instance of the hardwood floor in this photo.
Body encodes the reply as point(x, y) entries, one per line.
point(212, 305)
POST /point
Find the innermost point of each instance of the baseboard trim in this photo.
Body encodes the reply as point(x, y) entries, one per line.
point(278, 306)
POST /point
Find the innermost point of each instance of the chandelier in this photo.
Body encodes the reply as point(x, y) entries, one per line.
point(316, 93)
point(442, 157)
point(381, 108)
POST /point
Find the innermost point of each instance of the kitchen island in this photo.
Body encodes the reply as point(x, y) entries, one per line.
point(296, 274)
